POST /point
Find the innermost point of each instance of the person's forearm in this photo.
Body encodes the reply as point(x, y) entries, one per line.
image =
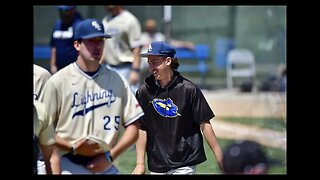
point(212, 142)
point(62, 143)
point(128, 138)
point(140, 153)
point(53, 65)
point(136, 58)
point(141, 147)
point(53, 57)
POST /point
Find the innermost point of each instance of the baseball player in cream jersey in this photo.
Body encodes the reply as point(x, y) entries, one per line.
point(89, 103)
point(40, 77)
point(123, 49)
point(43, 130)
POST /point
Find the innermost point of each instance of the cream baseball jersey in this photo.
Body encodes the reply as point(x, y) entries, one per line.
point(84, 106)
point(125, 30)
point(42, 125)
point(40, 77)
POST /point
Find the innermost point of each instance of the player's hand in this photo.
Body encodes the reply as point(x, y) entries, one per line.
point(139, 169)
point(99, 164)
point(87, 147)
point(134, 77)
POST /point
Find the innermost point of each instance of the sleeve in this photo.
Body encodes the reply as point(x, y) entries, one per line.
point(47, 133)
point(45, 75)
point(141, 124)
point(132, 109)
point(40, 77)
point(43, 127)
point(141, 119)
point(200, 107)
point(49, 97)
point(134, 34)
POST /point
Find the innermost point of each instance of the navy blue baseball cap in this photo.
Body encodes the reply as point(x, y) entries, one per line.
point(159, 48)
point(65, 8)
point(90, 28)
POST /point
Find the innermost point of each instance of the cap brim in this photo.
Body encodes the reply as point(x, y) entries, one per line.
point(156, 54)
point(152, 54)
point(94, 35)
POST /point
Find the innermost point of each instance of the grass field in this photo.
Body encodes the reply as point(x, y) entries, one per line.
point(277, 157)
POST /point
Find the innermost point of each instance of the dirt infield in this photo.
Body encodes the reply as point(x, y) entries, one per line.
point(237, 131)
point(226, 103)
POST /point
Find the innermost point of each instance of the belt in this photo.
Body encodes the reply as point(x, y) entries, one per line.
point(79, 159)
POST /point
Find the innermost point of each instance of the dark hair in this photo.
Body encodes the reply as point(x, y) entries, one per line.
point(240, 156)
point(175, 63)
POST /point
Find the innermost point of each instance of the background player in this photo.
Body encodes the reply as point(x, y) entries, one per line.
point(151, 34)
point(44, 135)
point(88, 104)
point(62, 37)
point(40, 77)
point(122, 50)
point(175, 114)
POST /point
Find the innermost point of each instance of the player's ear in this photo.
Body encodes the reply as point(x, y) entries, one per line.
point(76, 44)
point(168, 61)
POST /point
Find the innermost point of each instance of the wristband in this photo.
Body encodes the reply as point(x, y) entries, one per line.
point(135, 69)
point(108, 156)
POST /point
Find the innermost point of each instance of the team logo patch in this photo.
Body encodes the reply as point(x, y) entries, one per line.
point(96, 25)
point(150, 48)
point(165, 107)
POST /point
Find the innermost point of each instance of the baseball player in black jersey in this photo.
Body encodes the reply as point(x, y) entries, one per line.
point(175, 114)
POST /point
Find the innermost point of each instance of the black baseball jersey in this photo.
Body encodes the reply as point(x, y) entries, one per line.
point(173, 115)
